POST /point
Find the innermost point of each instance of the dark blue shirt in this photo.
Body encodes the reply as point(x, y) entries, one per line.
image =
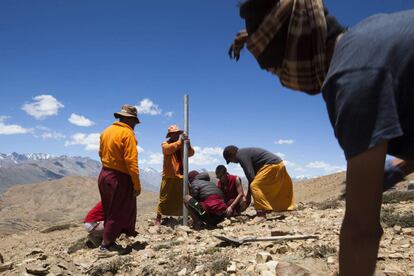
point(369, 88)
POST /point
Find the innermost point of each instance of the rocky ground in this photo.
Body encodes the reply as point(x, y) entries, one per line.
point(178, 250)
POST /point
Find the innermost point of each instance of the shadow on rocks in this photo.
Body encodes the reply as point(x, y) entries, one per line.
point(138, 245)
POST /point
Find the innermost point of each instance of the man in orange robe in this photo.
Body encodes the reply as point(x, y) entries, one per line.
point(119, 182)
point(171, 190)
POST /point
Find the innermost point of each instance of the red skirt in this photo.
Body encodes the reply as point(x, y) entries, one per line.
point(214, 204)
point(119, 204)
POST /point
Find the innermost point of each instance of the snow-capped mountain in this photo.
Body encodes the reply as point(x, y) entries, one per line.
point(17, 158)
point(29, 168)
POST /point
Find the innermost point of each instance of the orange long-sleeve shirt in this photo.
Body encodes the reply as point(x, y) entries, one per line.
point(118, 151)
point(171, 166)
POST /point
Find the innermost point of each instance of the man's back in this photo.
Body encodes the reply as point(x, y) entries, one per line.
point(118, 150)
point(253, 159)
point(202, 187)
point(369, 86)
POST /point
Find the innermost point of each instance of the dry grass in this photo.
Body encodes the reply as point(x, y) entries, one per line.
point(319, 251)
point(397, 196)
point(219, 264)
point(391, 218)
point(165, 245)
point(111, 267)
point(209, 251)
point(327, 204)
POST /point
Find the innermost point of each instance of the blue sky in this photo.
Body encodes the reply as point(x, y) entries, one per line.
point(66, 66)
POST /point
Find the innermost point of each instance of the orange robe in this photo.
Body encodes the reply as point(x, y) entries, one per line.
point(171, 190)
point(118, 151)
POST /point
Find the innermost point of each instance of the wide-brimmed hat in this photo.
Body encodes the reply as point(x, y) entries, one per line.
point(173, 129)
point(127, 111)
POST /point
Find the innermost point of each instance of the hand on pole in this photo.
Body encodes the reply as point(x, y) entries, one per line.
point(184, 137)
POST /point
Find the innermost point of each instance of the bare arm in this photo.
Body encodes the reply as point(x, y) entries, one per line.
point(240, 193)
point(361, 230)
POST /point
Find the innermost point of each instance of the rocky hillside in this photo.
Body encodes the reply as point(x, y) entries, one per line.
point(177, 250)
point(38, 167)
point(62, 201)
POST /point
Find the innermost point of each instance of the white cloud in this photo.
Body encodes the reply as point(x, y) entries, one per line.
point(89, 141)
point(325, 166)
point(47, 133)
point(153, 159)
point(140, 150)
point(52, 135)
point(11, 129)
point(289, 163)
point(234, 168)
point(284, 142)
point(168, 114)
point(317, 165)
point(299, 169)
point(280, 154)
point(207, 156)
point(146, 106)
point(43, 106)
point(80, 120)
point(304, 177)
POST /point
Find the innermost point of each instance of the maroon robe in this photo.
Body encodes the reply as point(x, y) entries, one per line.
point(119, 204)
point(230, 190)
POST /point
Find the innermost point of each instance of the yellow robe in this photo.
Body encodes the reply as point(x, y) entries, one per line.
point(171, 196)
point(272, 189)
point(171, 190)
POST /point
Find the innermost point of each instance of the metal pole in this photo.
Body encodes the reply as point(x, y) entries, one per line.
point(185, 159)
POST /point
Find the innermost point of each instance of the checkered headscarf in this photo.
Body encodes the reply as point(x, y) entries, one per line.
point(303, 64)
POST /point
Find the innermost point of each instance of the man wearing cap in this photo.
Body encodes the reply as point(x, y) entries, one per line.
point(269, 183)
point(119, 182)
point(171, 190)
point(205, 203)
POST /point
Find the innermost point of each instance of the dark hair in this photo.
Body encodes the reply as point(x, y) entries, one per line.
point(229, 151)
point(221, 168)
point(192, 175)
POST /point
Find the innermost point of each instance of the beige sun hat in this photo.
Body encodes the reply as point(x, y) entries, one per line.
point(127, 110)
point(173, 129)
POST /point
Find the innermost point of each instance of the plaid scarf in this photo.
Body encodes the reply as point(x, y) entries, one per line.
point(304, 63)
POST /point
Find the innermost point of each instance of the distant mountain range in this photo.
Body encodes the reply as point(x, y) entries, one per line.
point(30, 168)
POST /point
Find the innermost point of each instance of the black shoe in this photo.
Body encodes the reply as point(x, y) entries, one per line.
point(104, 252)
point(113, 247)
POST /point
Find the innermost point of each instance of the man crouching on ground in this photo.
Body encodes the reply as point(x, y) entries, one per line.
point(232, 189)
point(205, 203)
point(269, 182)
